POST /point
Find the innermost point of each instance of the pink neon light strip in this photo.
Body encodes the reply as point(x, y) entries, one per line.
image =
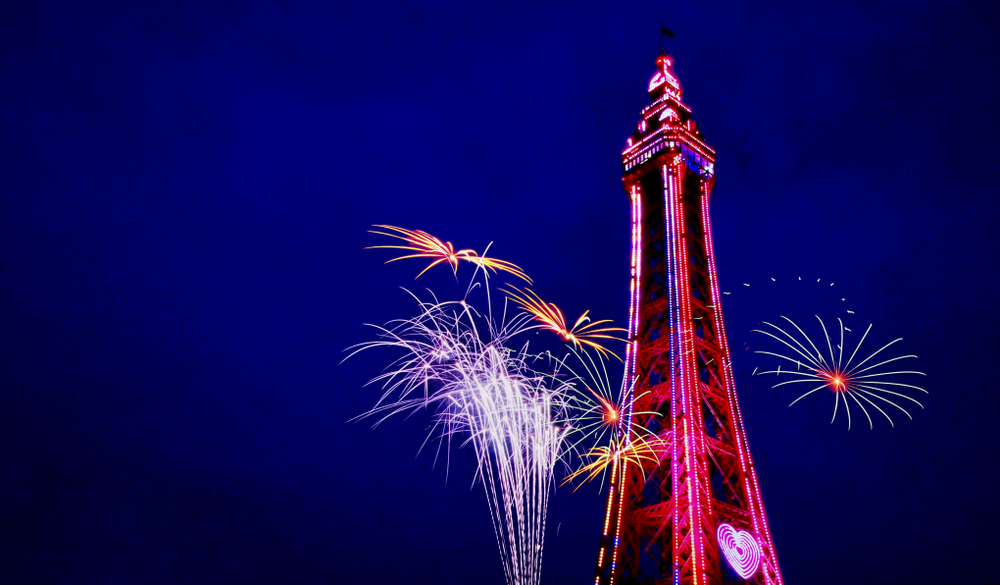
point(772, 574)
point(674, 350)
point(630, 362)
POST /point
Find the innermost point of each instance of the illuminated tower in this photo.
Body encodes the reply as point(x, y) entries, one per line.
point(696, 515)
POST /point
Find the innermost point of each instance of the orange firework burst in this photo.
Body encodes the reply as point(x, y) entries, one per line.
point(425, 245)
point(637, 452)
point(605, 418)
point(583, 332)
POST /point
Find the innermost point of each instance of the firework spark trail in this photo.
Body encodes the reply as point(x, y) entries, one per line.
point(601, 419)
point(583, 332)
point(639, 451)
point(840, 377)
point(425, 245)
point(480, 393)
point(481, 390)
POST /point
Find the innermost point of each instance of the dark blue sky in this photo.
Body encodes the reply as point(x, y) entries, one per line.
point(184, 198)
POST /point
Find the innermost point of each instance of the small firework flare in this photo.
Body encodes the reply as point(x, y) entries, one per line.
point(424, 245)
point(583, 332)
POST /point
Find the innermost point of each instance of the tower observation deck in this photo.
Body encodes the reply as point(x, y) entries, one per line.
point(693, 514)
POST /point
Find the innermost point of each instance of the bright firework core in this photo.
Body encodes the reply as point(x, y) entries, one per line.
point(610, 410)
point(835, 380)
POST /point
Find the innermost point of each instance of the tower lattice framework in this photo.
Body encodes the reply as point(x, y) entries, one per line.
point(662, 519)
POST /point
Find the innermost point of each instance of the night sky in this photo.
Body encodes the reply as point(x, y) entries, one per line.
point(185, 193)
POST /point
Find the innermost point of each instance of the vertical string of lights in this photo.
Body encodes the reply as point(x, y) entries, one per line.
point(607, 520)
point(756, 503)
point(703, 494)
point(675, 351)
point(618, 472)
point(693, 394)
point(633, 315)
point(680, 283)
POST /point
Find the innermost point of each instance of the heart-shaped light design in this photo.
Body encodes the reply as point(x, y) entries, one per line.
point(740, 550)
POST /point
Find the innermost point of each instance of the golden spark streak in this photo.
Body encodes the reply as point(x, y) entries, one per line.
point(583, 332)
point(425, 245)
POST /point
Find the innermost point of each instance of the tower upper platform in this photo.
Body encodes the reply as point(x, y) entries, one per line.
point(667, 127)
